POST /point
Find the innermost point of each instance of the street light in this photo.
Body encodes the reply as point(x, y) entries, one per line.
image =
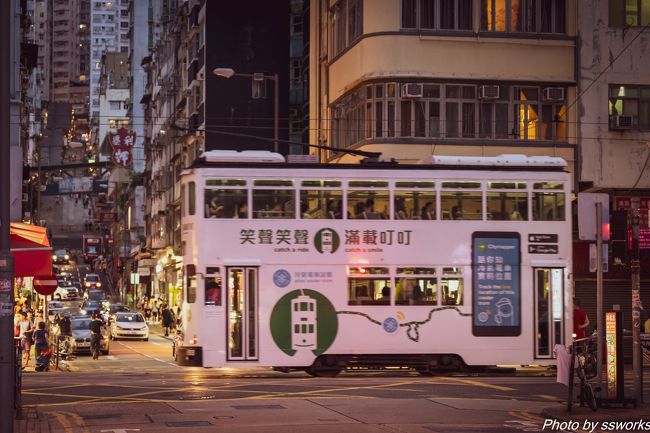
point(229, 72)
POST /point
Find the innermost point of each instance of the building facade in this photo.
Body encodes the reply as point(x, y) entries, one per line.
point(413, 78)
point(613, 112)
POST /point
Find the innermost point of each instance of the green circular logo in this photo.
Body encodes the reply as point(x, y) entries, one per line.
point(327, 241)
point(304, 320)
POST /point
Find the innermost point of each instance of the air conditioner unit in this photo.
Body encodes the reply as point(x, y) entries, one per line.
point(553, 94)
point(488, 92)
point(411, 90)
point(622, 123)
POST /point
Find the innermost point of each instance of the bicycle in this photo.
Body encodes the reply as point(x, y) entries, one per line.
point(586, 365)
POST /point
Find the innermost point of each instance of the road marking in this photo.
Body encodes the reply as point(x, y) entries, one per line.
point(149, 356)
point(476, 383)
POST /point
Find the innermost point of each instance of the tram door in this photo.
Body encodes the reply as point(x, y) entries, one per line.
point(549, 310)
point(242, 302)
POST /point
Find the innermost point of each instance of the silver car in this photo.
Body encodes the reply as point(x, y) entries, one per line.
point(81, 334)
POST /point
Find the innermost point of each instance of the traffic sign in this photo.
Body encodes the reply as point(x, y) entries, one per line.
point(45, 284)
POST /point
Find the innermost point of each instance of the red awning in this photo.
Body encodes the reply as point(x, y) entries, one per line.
point(31, 250)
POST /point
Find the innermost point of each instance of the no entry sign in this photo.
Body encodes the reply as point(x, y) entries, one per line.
point(45, 284)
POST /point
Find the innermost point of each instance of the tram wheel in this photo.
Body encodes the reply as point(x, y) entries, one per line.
point(323, 372)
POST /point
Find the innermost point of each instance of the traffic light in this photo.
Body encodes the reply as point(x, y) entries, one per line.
point(618, 240)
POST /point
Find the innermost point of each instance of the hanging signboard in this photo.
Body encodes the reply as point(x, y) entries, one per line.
point(122, 142)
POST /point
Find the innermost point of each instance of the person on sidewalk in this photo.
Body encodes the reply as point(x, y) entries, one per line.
point(580, 320)
point(26, 329)
point(40, 340)
point(95, 335)
point(167, 319)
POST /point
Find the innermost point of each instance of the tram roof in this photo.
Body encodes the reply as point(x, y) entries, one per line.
point(266, 159)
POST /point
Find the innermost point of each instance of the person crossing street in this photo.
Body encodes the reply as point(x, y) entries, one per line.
point(96, 325)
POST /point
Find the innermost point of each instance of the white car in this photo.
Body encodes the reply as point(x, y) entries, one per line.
point(129, 325)
point(66, 293)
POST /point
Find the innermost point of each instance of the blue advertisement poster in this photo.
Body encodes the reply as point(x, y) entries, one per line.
point(496, 259)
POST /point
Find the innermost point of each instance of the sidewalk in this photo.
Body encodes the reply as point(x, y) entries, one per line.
point(156, 328)
point(605, 419)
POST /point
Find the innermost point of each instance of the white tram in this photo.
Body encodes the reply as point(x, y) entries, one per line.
point(448, 263)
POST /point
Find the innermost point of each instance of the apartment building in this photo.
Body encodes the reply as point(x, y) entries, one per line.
point(411, 78)
point(109, 32)
point(613, 112)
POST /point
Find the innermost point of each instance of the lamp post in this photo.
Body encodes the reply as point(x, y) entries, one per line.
point(229, 72)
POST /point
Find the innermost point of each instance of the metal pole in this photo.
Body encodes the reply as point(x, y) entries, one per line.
point(276, 113)
point(635, 268)
point(599, 296)
point(7, 347)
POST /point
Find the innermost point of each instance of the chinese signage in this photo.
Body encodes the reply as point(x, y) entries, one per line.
point(610, 344)
point(325, 240)
point(496, 277)
point(122, 142)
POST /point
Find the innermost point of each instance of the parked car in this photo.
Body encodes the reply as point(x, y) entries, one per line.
point(92, 281)
point(129, 325)
point(54, 308)
point(81, 334)
point(61, 256)
point(66, 293)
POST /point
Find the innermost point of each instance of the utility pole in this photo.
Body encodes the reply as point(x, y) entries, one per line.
point(636, 304)
point(7, 351)
point(599, 295)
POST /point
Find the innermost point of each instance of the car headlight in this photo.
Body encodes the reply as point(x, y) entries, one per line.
point(66, 257)
point(54, 257)
point(84, 312)
point(99, 284)
point(87, 284)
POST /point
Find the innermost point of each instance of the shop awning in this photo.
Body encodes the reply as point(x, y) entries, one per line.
point(31, 250)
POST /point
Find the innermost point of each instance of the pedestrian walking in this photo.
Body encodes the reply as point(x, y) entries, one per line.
point(580, 319)
point(167, 319)
point(40, 340)
point(95, 335)
point(155, 306)
point(25, 331)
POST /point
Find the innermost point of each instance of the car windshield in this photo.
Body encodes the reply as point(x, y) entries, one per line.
point(92, 304)
point(60, 252)
point(130, 317)
point(116, 308)
point(80, 324)
point(55, 304)
point(92, 278)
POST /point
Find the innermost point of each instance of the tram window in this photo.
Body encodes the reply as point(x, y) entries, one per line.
point(369, 205)
point(225, 203)
point(507, 185)
point(191, 193)
point(416, 291)
point(369, 291)
point(191, 287)
point(368, 271)
point(451, 286)
point(548, 206)
point(321, 183)
point(415, 205)
point(504, 206)
point(461, 205)
point(225, 182)
point(274, 203)
point(321, 204)
point(461, 185)
point(548, 185)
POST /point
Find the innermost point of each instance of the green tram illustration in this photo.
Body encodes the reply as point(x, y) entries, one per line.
point(303, 322)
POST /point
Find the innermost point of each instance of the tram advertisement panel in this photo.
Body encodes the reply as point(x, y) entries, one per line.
point(496, 259)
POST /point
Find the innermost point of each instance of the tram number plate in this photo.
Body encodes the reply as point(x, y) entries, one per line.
point(190, 352)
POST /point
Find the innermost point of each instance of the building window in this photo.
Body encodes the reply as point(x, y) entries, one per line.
point(523, 16)
point(437, 14)
point(115, 105)
point(451, 111)
point(629, 107)
point(632, 13)
point(346, 24)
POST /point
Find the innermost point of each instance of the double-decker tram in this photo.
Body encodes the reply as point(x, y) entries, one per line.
point(448, 263)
